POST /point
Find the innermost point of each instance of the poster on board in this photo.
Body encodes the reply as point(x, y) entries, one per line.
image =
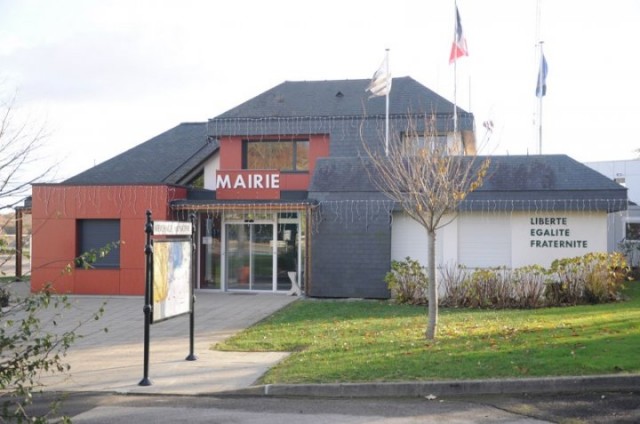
point(171, 278)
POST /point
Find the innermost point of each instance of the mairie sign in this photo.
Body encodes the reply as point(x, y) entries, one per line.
point(248, 184)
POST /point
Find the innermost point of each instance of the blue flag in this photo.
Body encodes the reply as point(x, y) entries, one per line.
point(541, 85)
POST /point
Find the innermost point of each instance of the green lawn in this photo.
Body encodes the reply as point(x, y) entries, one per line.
point(355, 341)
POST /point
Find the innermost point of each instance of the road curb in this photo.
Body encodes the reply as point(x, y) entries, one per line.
point(603, 383)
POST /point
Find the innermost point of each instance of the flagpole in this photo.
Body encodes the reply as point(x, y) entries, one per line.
point(381, 85)
point(540, 75)
point(455, 100)
point(458, 49)
point(386, 121)
point(455, 83)
point(540, 84)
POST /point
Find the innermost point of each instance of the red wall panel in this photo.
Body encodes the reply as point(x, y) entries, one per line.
point(55, 211)
point(55, 278)
point(231, 160)
point(132, 281)
point(97, 281)
point(231, 153)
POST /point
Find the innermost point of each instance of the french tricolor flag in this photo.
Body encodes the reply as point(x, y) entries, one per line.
point(459, 46)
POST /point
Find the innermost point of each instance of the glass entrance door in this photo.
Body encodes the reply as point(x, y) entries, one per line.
point(250, 256)
point(288, 252)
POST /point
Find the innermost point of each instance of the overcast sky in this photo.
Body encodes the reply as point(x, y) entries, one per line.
point(107, 75)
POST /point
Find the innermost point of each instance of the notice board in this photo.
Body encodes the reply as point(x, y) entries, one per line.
point(171, 278)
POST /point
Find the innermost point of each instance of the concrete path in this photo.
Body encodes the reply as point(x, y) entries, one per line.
point(113, 361)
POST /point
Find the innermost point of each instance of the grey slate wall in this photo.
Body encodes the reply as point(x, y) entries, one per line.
point(350, 246)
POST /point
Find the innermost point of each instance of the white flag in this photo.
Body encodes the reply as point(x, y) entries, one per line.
point(381, 82)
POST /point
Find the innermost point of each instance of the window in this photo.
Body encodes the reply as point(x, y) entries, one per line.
point(413, 143)
point(633, 231)
point(283, 155)
point(197, 181)
point(95, 234)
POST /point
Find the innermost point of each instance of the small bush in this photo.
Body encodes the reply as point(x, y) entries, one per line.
point(605, 276)
point(592, 278)
point(408, 282)
point(631, 251)
point(529, 286)
point(566, 286)
point(488, 288)
point(456, 293)
point(493, 287)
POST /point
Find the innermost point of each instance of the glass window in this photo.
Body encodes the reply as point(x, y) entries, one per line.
point(302, 155)
point(633, 231)
point(287, 215)
point(248, 216)
point(413, 143)
point(197, 181)
point(96, 234)
point(283, 155)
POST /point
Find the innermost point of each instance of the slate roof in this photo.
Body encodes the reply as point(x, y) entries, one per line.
point(340, 98)
point(171, 156)
point(525, 182)
point(512, 182)
point(544, 172)
point(166, 158)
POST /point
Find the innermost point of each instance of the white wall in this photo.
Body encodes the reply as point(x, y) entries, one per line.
point(629, 170)
point(408, 238)
point(484, 240)
point(503, 239)
point(211, 166)
point(539, 238)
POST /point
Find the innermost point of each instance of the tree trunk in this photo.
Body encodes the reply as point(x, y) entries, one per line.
point(432, 323)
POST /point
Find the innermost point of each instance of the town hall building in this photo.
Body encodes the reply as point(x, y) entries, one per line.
point(281, 192)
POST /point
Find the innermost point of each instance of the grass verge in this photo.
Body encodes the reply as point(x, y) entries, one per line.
point(367, 341)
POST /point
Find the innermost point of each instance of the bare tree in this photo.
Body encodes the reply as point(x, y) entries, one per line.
point(29, 347)
point(428, 176)
point(21, 160)
point(22, 163)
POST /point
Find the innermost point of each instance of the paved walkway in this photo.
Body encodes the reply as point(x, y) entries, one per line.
point(113, 361)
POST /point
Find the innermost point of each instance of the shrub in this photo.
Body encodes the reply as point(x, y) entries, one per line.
point(486, 289)
point(592, 278)
point(30, 349)
point(631, 251)
point(407, 282)
point(452, 280)
point(606, 274)
point(529, 286)
point(566, 286)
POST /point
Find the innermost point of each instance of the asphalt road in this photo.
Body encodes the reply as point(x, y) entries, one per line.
point(548, 408)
